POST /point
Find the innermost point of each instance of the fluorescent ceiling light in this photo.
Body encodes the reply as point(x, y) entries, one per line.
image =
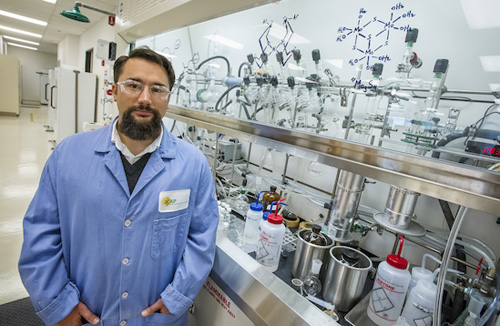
point(222, 40)
point(280, 33)
point(336, 63)
point(490, 63)
point(22, 46)
point(20, 40)
point(51, 1)
point(23, 18)
point(481, 14)
point(20, 31)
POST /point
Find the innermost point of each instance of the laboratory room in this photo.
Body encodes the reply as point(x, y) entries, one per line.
point(252, 162)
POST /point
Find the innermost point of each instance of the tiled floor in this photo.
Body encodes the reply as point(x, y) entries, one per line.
point(24, 148)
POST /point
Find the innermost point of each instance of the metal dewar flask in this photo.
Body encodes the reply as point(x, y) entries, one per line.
point(306, 252)
point(344, 278)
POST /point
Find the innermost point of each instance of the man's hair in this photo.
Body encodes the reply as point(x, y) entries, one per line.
point(147, 54)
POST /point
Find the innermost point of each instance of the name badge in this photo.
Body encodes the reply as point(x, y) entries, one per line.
point(172, 201)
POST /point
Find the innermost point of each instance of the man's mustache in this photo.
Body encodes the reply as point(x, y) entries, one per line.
point(139, 107)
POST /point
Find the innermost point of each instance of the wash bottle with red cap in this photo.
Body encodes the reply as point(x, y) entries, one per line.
point(272, 233)
point(389, 289)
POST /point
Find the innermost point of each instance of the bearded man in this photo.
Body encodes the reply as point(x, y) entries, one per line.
point(121, 230)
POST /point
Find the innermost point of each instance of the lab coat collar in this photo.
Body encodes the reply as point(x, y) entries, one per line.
point(167, 150)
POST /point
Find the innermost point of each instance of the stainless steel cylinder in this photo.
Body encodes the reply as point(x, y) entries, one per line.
point(350, 188)
point(400, 207)
point(306, 252)
point(342, 280)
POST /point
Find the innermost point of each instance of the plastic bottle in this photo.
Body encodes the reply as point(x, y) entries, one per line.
point(420, 304)
point(417, 274)
point(389, 289)
point(241, 201)
point(263, 220)
point(269, 197)
point(253, 218)
point(315, 236)
point(312, 284)
point(271, 239)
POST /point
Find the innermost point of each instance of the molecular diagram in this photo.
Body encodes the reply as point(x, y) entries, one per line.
point(267, 47)
point(176, 47)
point(371, 36)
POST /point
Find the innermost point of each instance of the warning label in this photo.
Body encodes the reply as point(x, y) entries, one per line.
point(216, 293)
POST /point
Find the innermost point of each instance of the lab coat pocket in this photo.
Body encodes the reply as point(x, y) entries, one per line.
point(166, 232)
point(163, 319)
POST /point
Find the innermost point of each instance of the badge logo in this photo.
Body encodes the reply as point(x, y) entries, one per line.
point(167, 201)
point(171, 201)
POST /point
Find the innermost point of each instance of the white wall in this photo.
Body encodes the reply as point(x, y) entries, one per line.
point(31, 63)
point(67, 52)
point(101, 30)
point(72, 50)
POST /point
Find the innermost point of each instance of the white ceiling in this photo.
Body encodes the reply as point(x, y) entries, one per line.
point(58, 26)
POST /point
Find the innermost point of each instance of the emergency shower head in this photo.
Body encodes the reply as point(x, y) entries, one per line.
point(75, 13)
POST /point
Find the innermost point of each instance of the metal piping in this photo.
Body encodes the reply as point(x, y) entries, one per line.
point(79, 4)
point(350, 188)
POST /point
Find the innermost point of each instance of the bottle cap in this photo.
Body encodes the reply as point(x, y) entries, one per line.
point(275, 219)
point(426, 288)
point(397, 262)
point(316, 228)
point(265, 215)
point(256, 207)
point(420, 273)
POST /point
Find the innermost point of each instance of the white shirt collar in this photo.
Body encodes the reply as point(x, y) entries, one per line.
point(131, 158)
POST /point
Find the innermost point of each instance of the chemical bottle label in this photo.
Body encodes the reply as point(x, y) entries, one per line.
point(267, 250)
point(386, 299)
point(417, 314)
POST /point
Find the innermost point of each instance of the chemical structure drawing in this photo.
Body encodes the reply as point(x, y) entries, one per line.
point(371, 35)
point(191, 65)
point(170, 52)
point(283, 46)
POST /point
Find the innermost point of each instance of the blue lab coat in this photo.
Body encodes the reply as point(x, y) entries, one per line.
point(87, 239)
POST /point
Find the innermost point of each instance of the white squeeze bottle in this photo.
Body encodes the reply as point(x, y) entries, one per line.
point(254, 216)
point(389, 289)
point(419, 306)
point(271, 239)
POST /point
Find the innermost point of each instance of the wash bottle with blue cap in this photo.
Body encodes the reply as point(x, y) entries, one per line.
point(254, 216)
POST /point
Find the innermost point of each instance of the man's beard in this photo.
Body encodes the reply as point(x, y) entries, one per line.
point(137, 130)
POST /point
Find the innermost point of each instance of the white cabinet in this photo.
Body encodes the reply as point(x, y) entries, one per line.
point(9, 84)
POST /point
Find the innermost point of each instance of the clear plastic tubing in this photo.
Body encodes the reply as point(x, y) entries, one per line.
point(444, 266)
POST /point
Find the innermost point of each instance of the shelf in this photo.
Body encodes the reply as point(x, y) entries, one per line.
point(465, 185)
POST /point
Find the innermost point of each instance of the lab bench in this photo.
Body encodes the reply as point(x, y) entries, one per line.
point(239, 291)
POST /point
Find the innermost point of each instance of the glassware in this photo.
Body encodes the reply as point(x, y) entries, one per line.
point(312, 284)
